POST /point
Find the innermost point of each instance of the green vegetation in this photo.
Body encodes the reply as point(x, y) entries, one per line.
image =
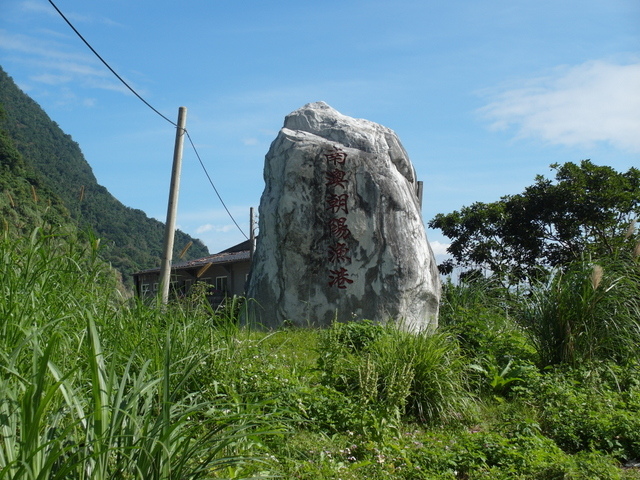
point(85, 396)
point(25, 202)
point(585, 212)
point(52, 170)
point(94, 385)
point(588, 312)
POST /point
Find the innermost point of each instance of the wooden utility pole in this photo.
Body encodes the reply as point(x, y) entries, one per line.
point(172, 207)
point(252, 235)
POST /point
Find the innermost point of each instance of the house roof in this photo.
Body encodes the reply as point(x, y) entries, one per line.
point(234, 254)
point(224, 257)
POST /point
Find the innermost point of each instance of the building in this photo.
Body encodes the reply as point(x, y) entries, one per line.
point(224, 273)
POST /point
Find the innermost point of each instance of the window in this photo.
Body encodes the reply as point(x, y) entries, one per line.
point(144, 288)
point(185, 287)
point(221, 284)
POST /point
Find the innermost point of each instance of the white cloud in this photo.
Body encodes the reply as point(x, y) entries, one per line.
point(25, 44)
point(31, 6)
point(214, 228)
point(37, 7)
point(597, 101)
point(51, 79)
point(58, 64)
point(439, 248)
point(204, 228)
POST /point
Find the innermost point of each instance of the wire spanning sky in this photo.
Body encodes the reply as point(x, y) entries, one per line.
point(483, 95)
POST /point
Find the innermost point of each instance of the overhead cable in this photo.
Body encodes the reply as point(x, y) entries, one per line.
point(214, 187)
point(108, 66)
point(152, 108)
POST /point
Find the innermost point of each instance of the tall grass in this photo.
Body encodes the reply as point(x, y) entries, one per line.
point(92, 387)
point(438, 389)
point(475, 294)
point(589, 311)
point(396, 372)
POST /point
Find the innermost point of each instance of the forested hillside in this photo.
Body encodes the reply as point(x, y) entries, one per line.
point(25, 201)
point(37, 153)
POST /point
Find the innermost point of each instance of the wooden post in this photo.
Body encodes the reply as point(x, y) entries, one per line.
point(252, 235)
point(172, 207)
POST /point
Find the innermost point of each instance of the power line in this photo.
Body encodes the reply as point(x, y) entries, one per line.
point(152, 108)
point(214, 187)
point(108, 66)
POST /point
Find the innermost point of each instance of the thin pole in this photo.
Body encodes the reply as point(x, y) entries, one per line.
point(252, 235)
point(172, 207)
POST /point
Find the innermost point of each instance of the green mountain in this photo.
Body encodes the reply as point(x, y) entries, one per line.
point(25, 201)
point(41, 162)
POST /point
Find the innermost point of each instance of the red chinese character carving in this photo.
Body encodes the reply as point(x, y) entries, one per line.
point(338, 253)
point(338, 278)
point(337, 203)
point(335, 178)
point(339, 227)
point(336, 156)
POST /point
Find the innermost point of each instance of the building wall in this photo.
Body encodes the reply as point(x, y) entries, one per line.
point(225, 280)
point(146, 284)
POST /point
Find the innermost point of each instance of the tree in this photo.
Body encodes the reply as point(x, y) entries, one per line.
point(588, 210)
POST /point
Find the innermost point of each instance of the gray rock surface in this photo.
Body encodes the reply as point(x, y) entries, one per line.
point(340, 228)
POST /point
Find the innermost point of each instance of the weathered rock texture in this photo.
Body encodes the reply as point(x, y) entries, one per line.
point(341, 233)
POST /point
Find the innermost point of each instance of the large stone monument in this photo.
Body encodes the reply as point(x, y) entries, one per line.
point(340, 228)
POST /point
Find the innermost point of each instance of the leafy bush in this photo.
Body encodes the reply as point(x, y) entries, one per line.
point(499, 354)
point(95, 385)
point(590, 408)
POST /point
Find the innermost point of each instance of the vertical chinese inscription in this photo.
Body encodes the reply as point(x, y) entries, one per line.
point(337, 204)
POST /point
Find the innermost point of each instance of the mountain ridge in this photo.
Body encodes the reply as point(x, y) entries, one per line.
point(55, 164)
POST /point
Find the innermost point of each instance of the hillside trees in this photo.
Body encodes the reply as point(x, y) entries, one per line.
point(55, 164)
point(24, 201)
point(587, 210)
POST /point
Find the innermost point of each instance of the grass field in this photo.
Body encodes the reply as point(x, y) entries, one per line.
point(543, 384)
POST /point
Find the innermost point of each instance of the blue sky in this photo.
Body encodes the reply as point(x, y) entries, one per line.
point(484, 95)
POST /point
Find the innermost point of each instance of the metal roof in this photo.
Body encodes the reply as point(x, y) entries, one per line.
point(218, 258)
point(225, 257)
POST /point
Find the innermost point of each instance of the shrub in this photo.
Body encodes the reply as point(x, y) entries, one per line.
point(590, 408)
point(499, 354)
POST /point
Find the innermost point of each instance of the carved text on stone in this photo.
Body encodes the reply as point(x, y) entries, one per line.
point(337, 203)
